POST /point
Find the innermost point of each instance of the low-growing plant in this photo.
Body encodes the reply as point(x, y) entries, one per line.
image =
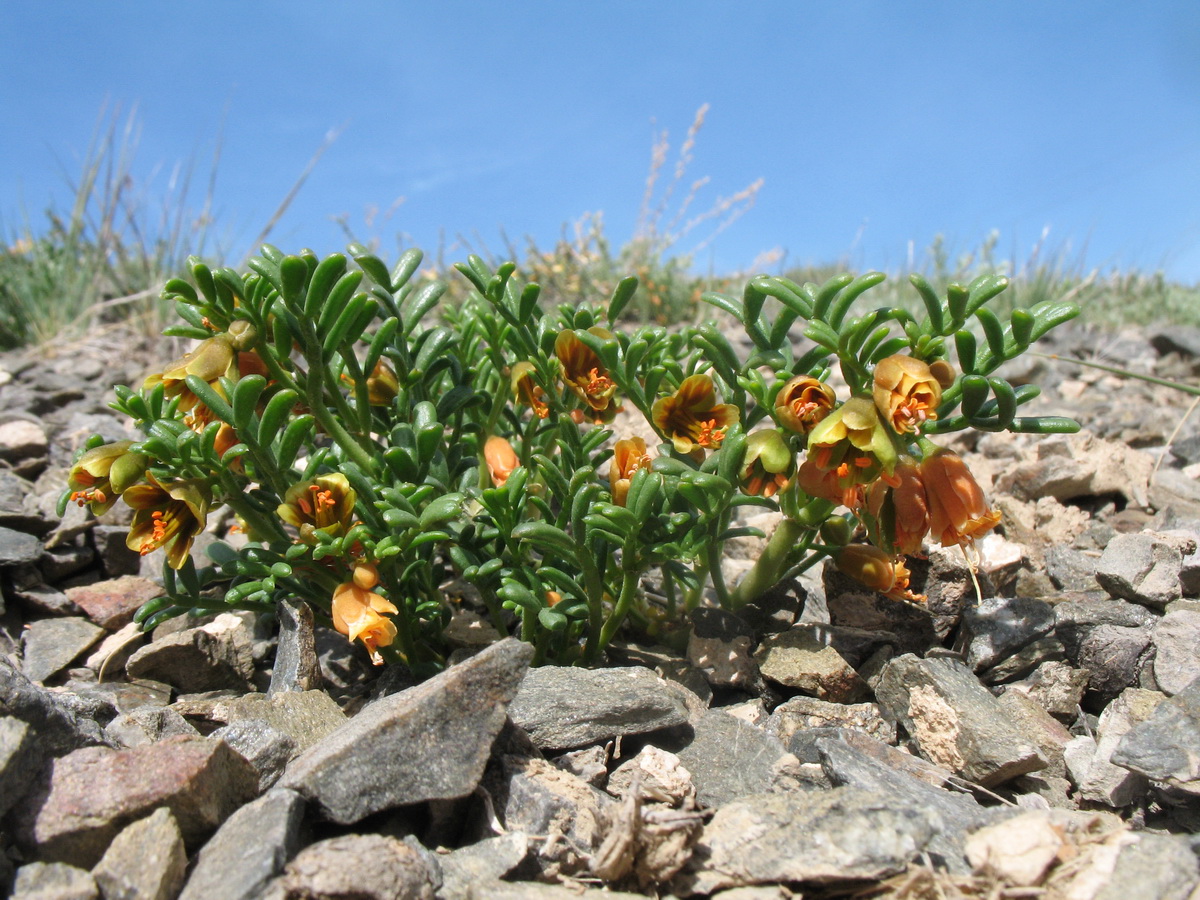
point(373, 455)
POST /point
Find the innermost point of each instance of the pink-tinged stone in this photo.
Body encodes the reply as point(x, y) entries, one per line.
point(111, 604)
point(93, 793)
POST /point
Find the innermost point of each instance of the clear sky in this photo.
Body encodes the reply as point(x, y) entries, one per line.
point(873, 124)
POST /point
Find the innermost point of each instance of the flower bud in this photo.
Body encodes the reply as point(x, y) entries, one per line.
point(500, 458)
point(906, 393)
point(768, 465)
point(803, 402)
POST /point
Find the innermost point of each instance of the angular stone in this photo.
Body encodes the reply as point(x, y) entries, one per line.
point(1109, 639)
point(19, 763)
point(297, 667)
point(111, 604)
point(145, 861)
point(148, 725)
point(93, 793)
point(465, 870)
point(1079, 465)
point(719, 646)
point(729, 759)
point(249, 849)
point(803, 713)
point(427, 743)
point(54, 881)
point(359, 866)
point(998, 627)
point(564, 707)
point(17, 548)
point(1098, 780)
point(1147, 866)
point(1057, 687)
point(61, 721)
point(800, 658)
point(1165, 746)
point(848, 834)
point(267, 749)
point(955, 721)
point(1025, 660)
point(21, 440)
point(1142, 568)
point(1176, 638)
point(1020, 850)
point(210, 657)
point(307, 717)
point(53, 644)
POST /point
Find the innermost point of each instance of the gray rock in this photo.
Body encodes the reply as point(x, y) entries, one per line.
point(1025, 660)
point(1097, 779)
point(54, 881)
point(953, 813)
point(61, 721)
point(52, 644)
point(31, 592)
point(146, 861)
point(93, 793)
point(1070, 569)
point(1109, 639)
point(115, 556)
point(477, 864)
point(118, 697)
point(60, 562)
point(148, 725)
point(955, 721)
point(852, 605)
point(335, 868)
point(998, 627)
point(248, 850)
point(729, 759)
point(445, 726)
point(590, 764)
point(719, 645)
point(17, 548)
point(1142, 568)
point(803, 713)
point(1057, 687)
point(306, 717)
point(297, 667)
point(210, 657)
point(1151, 867)
point(803, 659)
point(1165, 746)
point(1176, 638)
point(267, 749)
point(564, 707)
point(846, 833)
point(19, 764)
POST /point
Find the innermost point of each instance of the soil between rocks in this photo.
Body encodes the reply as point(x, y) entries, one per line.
point(1042, 735)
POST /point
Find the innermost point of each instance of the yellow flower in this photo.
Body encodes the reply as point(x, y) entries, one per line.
point(103, 474)
point(906, 392)
point(629, 455)
point(898, 504)
point(382, 384)
point(525, 390)
point(168, 517)
point(691, 418)
point(216, 357)
point(768, 464)
point(325, 503)
point(357, 613)
point(500, 458)
point(803, 402)
point(876, 570)
point(846, 450)
point(958, 511)
point(582, 370)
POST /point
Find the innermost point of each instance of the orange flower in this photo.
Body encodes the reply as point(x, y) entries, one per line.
point(629, 455)
point(898, 505)
point(168, 517)
point(526, 390)
point(582, 370)
point(382, 384)
point(357, 613)
point(849, 448)
point(501, 459)
point(325, 503)
point(691, 418)
point(768, 465)
point(876, 570)
point(803, 402)
point(103, 473)
point(906, 392)
point(958, 512)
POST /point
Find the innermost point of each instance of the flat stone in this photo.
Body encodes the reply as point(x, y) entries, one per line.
point(426, 743)
point(54, 881)
point(359, 866)
point(249, 849)
point(61, 720)
point(803, 713)
point(955, 721)
point(307, 717)
point(1079, 465)
point(848, 834)
point(719, 646)
point(998, 627)
point(53, 644)
point(148, 725)
point(1055, 686)
point(17, 548)
point(1097, 779)
point(1147, 866)
point(467, 868)
point(1024, 661)
point(22, 440)
point(19, 762)
point(145, 861)
point(564, 707)
point(93, 793)
point(211, 657)
point(1142, 568)
point(1109, 639)
point(729, 759)
point(297, 667)
point(1165, 746)
point(800, 658)
point(267, 749)
point(1176, 662)
point(112, 603)
point(1020, 850)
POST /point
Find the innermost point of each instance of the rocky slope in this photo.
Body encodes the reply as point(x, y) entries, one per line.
point(1042, 737)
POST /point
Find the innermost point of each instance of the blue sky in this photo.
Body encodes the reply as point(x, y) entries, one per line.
point(874, 125)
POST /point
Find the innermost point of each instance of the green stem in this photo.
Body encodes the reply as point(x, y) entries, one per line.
point(713, 554)
point(332, 426)
point(629, 585)
point(776, 557)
